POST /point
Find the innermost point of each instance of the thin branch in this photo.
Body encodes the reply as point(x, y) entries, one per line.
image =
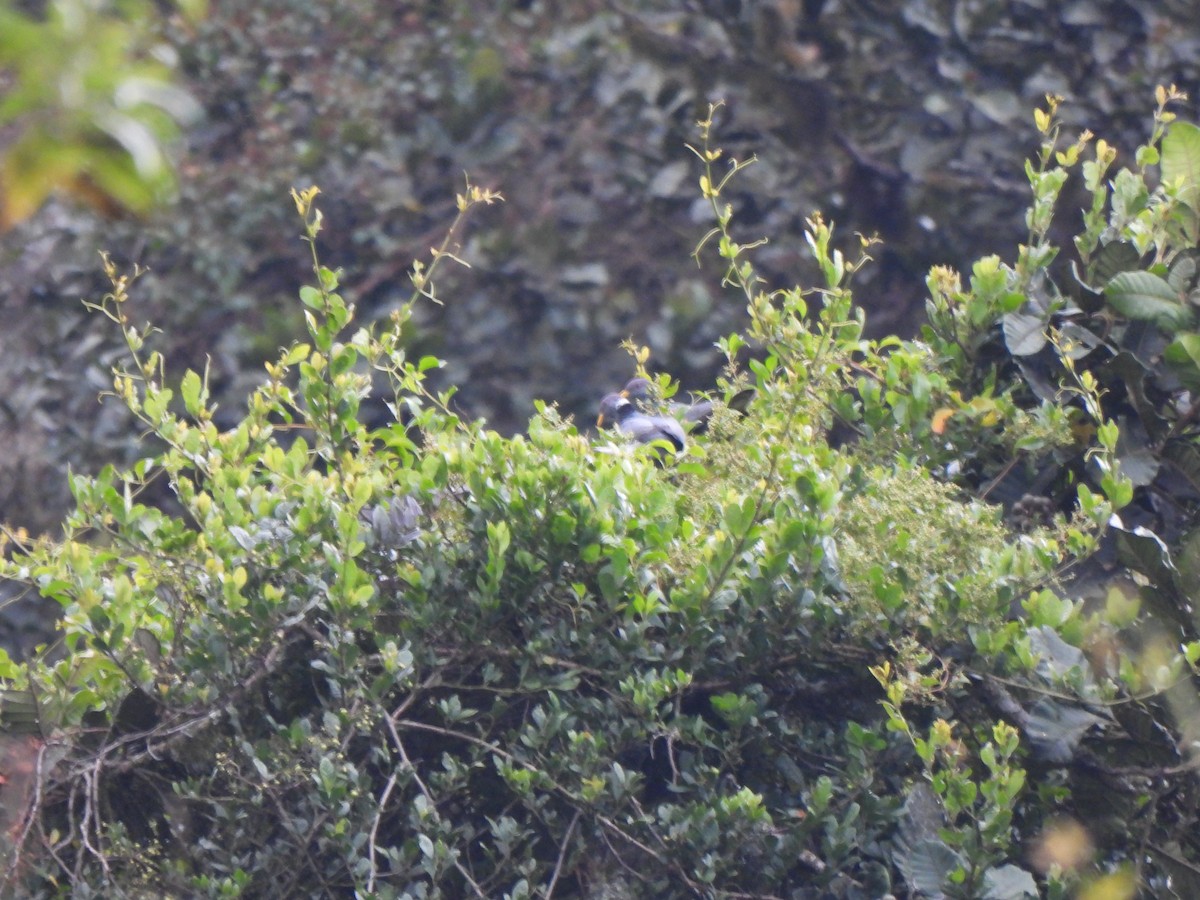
point(433, 805)
point(170, 735)
point(1178, 860)
point(658, 857)
point(562, 855)
point(31, 815)
point(383, 799)
point(621, 862)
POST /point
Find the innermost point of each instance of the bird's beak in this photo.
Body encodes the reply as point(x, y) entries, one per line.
point(600, 420)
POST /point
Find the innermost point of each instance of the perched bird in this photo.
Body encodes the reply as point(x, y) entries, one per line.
point(694, 416)
point(619, 411)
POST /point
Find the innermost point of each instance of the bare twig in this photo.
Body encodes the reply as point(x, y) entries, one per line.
point(391, 724)
point(1178, 860)
point(383, 799)
point(649, 851)
point(562, 855)
point(93, 823)
point(621, 862)
point(31, 815)
point(170, 735)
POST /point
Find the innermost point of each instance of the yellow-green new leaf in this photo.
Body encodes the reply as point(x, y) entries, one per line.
point(190, 390)
point(1181, 161)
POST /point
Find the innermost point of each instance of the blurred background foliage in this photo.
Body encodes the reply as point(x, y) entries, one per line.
point(907, 120)
point(91, 105)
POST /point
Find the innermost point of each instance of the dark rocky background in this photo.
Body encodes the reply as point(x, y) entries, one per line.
point(908, 120)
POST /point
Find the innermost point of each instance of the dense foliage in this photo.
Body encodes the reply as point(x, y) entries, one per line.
point(906, 119)
point(808, 656)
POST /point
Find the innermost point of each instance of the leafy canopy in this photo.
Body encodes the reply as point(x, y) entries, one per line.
point(809, 654)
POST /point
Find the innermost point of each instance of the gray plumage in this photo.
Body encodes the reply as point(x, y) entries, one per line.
point(694, 416)
point(620, 412)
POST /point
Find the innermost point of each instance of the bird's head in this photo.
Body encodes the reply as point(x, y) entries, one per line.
point(613, 408)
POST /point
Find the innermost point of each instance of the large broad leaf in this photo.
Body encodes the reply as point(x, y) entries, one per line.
point(1181, 160)
point(1056, 658)
point(1139, 460)
point(924, 860)
point(1182, 276)
point(1109, 260)
point(1054, 730)
point(1128, 371)
point(1187, 560)
point(1036, 371)
point(1113, 259)
point(1185, 457)
point(1008, 883)
point(927, 867)
point(1183, 356)
point(1145, 296)
point(1144, 551)
point(1077, 341)
point(1024, 335)
point(1182, 874)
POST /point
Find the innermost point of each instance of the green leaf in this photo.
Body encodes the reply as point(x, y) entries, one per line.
point(1146, 297)
point(1181, 161)
point(1182, 274)
point(1112, 260)
point(740, 516)
point(1191, 652)
point(296, 354)
point(190, 391)
point(1183, 356)
point(312, 298)
point(342, 361)
point(156, 403)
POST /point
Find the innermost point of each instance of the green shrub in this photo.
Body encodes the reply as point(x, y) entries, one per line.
point(304, 657)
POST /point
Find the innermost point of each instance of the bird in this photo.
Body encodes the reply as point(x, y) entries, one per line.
point(694, 416)
point(644, 428)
